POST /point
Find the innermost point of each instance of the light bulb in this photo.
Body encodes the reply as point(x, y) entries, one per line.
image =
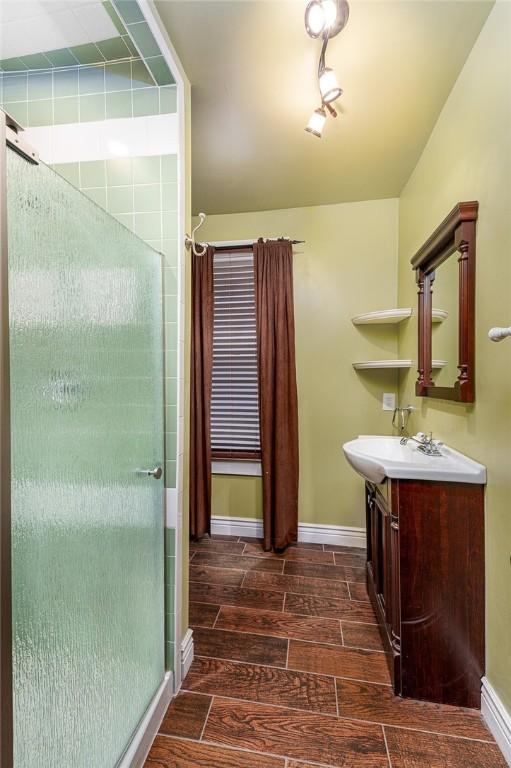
point(316, 122)
point(328, 85)
point(329, 8)
point(315, 18)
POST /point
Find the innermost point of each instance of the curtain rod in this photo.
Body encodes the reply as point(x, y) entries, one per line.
point(233, 243)
point(190, 241)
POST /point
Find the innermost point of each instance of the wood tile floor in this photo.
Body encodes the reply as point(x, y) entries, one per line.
point(289, 672)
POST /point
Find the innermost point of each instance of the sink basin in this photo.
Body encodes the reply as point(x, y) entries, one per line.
point(376, 457)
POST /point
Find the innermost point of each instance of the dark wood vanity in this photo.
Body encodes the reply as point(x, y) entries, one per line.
point(425, 575)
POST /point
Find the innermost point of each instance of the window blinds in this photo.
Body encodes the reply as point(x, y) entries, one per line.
point(234, 401)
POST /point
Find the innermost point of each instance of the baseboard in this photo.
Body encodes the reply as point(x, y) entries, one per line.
point(186, 653)
point(308, 532)
point(138, 749)
point(498, 719)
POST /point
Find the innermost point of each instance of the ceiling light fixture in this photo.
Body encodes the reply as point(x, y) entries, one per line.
point(325, 19)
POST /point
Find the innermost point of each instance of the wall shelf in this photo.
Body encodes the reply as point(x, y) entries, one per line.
point(393, 316)
point(366, 365)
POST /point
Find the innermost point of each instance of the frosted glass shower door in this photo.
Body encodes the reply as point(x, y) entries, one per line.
point(87, 524)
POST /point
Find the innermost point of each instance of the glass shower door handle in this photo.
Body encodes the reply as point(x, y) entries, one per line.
point(156, 472)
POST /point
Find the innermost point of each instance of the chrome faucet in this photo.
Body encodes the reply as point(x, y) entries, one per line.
point(426, 444)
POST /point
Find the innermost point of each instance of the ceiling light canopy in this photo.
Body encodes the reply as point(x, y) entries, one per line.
point(326, 18)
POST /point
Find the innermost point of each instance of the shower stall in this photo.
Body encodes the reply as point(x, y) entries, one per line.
point(81, 527)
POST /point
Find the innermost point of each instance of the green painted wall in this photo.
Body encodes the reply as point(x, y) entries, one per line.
point(346, 266)
point(468, 157)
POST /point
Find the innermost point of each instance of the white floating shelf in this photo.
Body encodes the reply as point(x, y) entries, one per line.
point(366, 365)
point(382, 317)
point(394, 316)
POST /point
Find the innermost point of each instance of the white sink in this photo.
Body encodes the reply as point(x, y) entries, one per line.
point(376, 457)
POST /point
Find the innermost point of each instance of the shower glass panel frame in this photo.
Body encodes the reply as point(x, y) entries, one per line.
point(70, 398)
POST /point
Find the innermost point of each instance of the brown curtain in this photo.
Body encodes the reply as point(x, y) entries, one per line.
point(278, 402)
point(200, 393)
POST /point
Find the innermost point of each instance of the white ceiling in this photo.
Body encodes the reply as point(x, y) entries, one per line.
point(36, 26)
point(252, 69)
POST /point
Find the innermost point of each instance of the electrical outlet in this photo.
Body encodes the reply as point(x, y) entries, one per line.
point(389, 401)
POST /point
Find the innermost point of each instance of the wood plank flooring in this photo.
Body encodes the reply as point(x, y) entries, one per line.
point(289, 672)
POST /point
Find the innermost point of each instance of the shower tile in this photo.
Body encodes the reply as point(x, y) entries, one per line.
point(171, 336)
point(144, 39)
point(12, 65)
point(65, 83)
point(169, 620)
point(15, 88)
point(119, 104)
point(171, 445)
point(169, 221)
point(169, 168)
point(129, 11)
point(170, 571)
point(169, 655)
point(114, 17)
point(36, 61)
point(40, 85)
point(66, 110)
point(119, 171)
point(171, 388)
point(169, 250)
point(40, 113)
point(168, 99)
point(131, 45)
point(62, 57)
point(170, 474)
point(140, 76)
point(170, 282)
point(92, 80)
point(120, 199)
point(87, 54)
point(160, 70)
point(169, 196)
point(146, 102)
point(170, 542)
point(148, 225)
point(70, 172)
point(147, 198)
point(98, 196)
point(126, 219)
point(118, 76)
point(92, 108)
point(113, 48)
point(146, 170)
point(92, 174)
point(18, 110)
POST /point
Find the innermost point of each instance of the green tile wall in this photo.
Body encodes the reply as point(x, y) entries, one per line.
point(84, 94)
point(141, 192)
point(141, 35)
point(114, 48)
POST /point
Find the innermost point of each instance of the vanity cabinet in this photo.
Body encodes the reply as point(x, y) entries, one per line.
point(425, 577)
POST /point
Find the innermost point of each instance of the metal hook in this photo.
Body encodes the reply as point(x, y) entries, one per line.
point(190, 241)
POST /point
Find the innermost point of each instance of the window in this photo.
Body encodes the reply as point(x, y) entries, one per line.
point(234, 399)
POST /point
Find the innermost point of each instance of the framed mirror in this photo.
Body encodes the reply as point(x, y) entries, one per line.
point(445, 270)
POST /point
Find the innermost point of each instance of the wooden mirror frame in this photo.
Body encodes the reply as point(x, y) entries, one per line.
point(456, 234)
